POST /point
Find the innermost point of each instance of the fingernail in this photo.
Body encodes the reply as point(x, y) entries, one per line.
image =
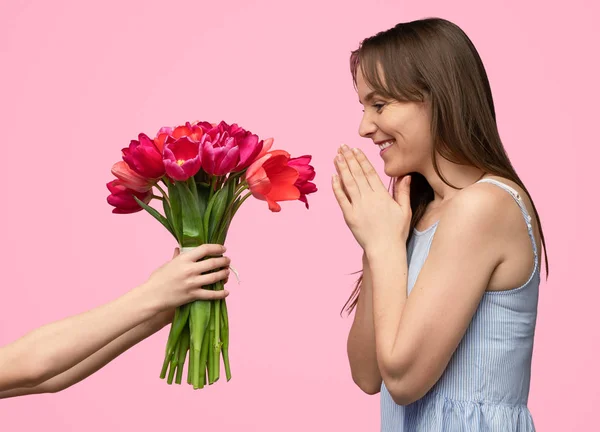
point(355, 150)
point(344, 147)
point(226, 293)
point(340, 158)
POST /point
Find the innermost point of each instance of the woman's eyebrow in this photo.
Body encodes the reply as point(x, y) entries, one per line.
point(370, 96)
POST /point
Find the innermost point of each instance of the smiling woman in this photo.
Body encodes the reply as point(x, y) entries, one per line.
point(435, 328)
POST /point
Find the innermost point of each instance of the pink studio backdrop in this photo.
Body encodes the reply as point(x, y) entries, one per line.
point(80, 79)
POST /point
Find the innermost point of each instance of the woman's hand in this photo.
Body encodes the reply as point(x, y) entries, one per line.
point(180, 281)
point(373, 216)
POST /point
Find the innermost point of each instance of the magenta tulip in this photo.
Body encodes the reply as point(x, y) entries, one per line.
point(122, 199)
point(227, 148)
point(306, 173)
point(144, 157)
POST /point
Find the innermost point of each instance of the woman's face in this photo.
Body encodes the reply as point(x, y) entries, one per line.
point(402, 130)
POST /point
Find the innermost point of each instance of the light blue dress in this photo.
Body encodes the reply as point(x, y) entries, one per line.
point(485, 386)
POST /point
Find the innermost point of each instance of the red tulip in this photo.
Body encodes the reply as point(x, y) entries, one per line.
point(192, 131)
point(144, 157)
point(161, 137)
point(130, 179)
point(271, 179)
point(306, 173)
point(181, 158)
point(122, 198)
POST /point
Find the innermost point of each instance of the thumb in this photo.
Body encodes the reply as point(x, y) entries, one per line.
point(402, 191)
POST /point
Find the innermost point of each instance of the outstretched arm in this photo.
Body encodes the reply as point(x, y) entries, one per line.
point(96, 361)
point(57, 348)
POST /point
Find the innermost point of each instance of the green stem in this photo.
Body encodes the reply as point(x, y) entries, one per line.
point(211, 357)
point(216, 345)
point(184, 345)
point(204, 360)
point(240, 202)
point(200, 315)
point(191, 366)
point(173, 364)
point(162, 191)
point(234, 207)
point(225, 332)
point(180, 320)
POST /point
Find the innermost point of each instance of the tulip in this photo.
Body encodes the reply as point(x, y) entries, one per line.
point(306, 173)
point(271, 179)
point(129, 178)
point(122, 199)
point(181, 158)
point(227, 148)
point(193, 131)
point(144, 157)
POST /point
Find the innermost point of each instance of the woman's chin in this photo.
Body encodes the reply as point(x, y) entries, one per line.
point(394, 171)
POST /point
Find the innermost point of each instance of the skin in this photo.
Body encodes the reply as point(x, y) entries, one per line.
point(58, 355)
point(481, 244)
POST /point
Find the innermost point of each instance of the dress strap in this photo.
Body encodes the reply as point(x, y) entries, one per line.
point(519, 200)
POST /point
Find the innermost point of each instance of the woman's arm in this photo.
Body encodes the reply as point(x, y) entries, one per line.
point(416, 336)
point(96, 361)
point(55, 348)
point(361, 340)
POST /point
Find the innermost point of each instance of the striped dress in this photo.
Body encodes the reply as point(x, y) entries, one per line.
point(485, 386)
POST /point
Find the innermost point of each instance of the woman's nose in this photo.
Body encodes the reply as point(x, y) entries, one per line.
point(366, 127)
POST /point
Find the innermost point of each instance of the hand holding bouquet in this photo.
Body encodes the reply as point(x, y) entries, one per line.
point(202, 173)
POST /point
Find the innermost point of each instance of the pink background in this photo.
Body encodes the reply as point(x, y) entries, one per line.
point(80, 79)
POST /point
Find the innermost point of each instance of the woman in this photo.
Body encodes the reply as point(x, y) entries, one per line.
point(58, 355)
point(447, 303)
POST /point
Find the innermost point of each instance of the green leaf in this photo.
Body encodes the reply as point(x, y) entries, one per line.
point(203, 192)
point(176, 212)
point(206, 217)
point(218, 211)
point(192, 222)
point(168, 214)
point(164, 221)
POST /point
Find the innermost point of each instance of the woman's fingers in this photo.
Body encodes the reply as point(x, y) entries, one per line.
point(340, 194)
point(355, 169)
point(402, 192)
point(368, 171)
point(346, 178)
point(211, 264)
point(205, 250)
point(211, 278)
point(204, 294)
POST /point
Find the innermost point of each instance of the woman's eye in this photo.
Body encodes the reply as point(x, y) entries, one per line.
point(378, 106)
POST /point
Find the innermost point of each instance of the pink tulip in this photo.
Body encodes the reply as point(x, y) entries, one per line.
point(181, 158)
point(227, 148)
point(122, 198)
point(306, 173)
point(144, 157)
point(129, 178)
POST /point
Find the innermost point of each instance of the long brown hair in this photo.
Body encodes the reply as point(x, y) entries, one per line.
point(434, 58)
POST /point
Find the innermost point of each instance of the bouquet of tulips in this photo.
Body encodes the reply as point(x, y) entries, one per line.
point(202, 173)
